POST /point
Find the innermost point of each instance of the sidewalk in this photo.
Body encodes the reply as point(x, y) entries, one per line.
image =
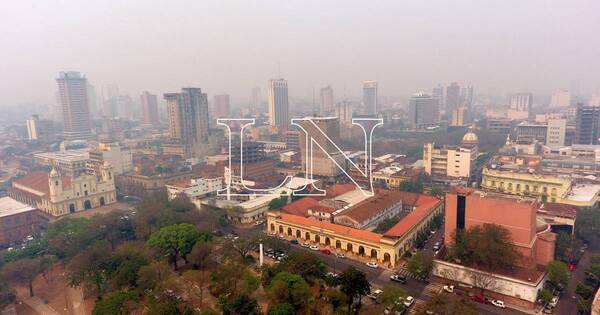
point(38, 305)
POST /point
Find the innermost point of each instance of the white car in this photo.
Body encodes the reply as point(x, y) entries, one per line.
point(449, 288)
point(306, 244)
point(372, 265)
point(281, 236)
point(408, 302)
point(340, 255)
point(553, 302)
point(375, 294)
point(314, 247)
point(498, 303)
point(273, 233)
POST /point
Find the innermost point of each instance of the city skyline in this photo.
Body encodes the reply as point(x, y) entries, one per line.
point(490, 64)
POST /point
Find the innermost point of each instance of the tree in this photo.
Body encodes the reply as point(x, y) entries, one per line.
point(68, 236)
point(421, 263)
point(588, 225)
point(546, 296)
point(487, 247)
point(278, 202)
point(124, 265)
point(232, 279)
point(354, 284)
point(305, 264)
point(289, 288)
point(175, 241)
point(242, 246)
point(282, 309)
point(91, 268)
point(201, 255)
point(558, 274)
point(415, 186)
point(386, 224)
point(391, 295)
point(153, 275)
point(245, 305)
point(22, 271)
point(584, 291)
point(436, 192)
point(195, 282)
point(7, 295)
point(115, 304)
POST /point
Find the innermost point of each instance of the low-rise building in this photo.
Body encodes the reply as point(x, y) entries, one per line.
point(385, 204)
point(195, 189)
point(451, 161)
point(68, 162)
point(18, 220)
point(549, 188)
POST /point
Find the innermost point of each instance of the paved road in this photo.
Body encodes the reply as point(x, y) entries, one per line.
point(568, 305)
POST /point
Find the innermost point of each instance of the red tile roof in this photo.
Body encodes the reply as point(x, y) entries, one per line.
point(300, 207)
point(38, 181)
point(368, 208)
point(339, 230)
point(425, 205)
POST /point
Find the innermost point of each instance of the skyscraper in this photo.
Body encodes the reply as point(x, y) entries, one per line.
point(73, 97)
point(322, 164)
point(587, 128)
point(220, 108)
point(326, 100)
point(466, 97)
point(370, 97)
point(343, 111)
point(188, 120)
point(438, 93)
point(520, 105)
point(256, 106)
point(423, 110)
point(149, 106)
point(278, 104)
point(452, 97)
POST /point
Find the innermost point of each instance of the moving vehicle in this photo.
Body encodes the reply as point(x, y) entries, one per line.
point(295, 242)
point(409, 301)
point(498, 303)
point(449, 288)
point(372, 265)
point(398, 278)
point(314, 247)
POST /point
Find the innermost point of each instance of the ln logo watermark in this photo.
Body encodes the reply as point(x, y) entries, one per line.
point(317, 139)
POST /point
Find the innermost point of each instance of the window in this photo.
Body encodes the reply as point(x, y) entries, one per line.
point(518, 187)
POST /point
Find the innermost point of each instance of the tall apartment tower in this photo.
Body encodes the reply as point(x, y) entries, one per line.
point(555, 132)
point(221, 107)
point(73, 98)
point(326, 96)
point(343, 111)
point(322, 164)
point(278, 104)
point(149, 106)
point(188, 120)
point(466, 96)
point(452, 97)
point(370, 97)
point(438, 93)
point(587, 128)
point(423, 110)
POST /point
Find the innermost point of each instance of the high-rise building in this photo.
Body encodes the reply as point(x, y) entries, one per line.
point(72, 89)
point(322, 163)
point(256, 106)
point(459, 116)
point(438, 93)
point(38, 129)
point(278, 104)
point(149, 106)
point(519, 106)
point(556, 131)
point(370, 97)
point(452, 97)
point(110, 101)
point(343, 111)
point(587, 128)
point(220, 108)
point(466, 97)
point(326, 100)
point(188, 120)
point(423, 110)
point(561, 98)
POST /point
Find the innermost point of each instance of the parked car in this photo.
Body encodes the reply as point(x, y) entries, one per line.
point(295, 242)
point(372, 265)
point(449, 288)
point(572, 267)
point(408, 301)
point(332, 274)
point(398, 278)
point(340, 255)
point(498, 303)
point(273, 233)
point(281, 236)
point(314, 247)
point(326, 251)
point(306, 244)
point(553, 302)
point(478, 298)
point(547, 310)
point(375, 294)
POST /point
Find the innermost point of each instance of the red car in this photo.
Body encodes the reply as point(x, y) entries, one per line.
point(326, 251)
point(572, 267)
point(478, 298)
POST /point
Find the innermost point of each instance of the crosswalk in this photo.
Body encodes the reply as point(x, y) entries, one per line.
point(429, 291)
point(408, 274)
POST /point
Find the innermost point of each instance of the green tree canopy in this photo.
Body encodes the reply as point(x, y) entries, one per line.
point(115, 304)
point(558, 273)
point(421, 263)
point(177, 240)
point(354, 284)
point(289, 288)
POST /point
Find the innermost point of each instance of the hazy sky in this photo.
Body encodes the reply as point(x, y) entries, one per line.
point(231, 46)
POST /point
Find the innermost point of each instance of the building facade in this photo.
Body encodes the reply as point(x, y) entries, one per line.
point(188, 120)
point(149, 106)
point(549, 188)
point(326, 104)
point(555, 132)
point(326, 158)
point(18, 220)
point(370, 97)
point(451, 161)
point(423, 110)
point(277, 99)
point(73, 101)
point(587, 130)
point(221, 107)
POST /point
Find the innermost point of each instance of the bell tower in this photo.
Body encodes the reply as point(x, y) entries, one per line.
point(54, 183)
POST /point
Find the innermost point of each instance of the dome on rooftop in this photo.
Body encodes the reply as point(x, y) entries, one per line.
point(470, 139)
